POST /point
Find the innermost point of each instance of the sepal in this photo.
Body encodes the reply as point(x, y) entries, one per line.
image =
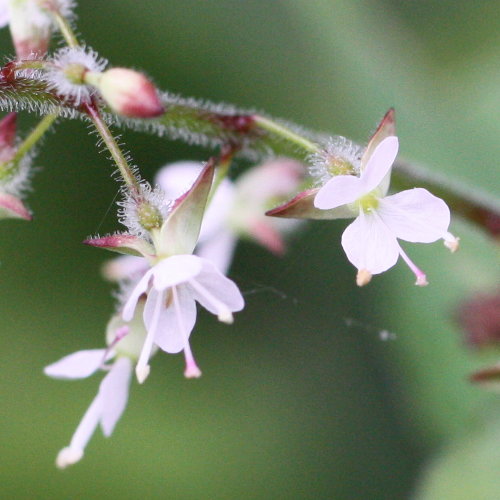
point(180, 231)
point(12, 207)
point(302, 207)
point(123, 243)
point(488, 378)
point(385, 128)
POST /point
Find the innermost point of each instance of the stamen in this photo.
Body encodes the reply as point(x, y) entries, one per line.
point(363, 277)
point(421, 277)
point(192, 370)
point(451, 242)
point(142, 368)
point(223, 312)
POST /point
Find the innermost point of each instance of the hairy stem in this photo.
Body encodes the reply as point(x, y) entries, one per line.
point(285, 133)
point(116, 153)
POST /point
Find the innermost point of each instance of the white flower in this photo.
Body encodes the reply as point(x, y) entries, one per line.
point(124, 342)
point(172, 286)
point(370, 242)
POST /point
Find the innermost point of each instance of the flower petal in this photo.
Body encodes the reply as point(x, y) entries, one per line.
point(80, 364)
point(415, 215)
point(175, 270)
point(219, 249)
point(173, 330)
point(125, 267)
point(339, 191)
point(176, 178)
point(370, 245)
point(220, 287)
point(379, 165)
point(4, 14)
point(139, 289)
point(114, 394)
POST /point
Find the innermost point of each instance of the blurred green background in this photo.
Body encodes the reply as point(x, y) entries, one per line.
point(301, 397)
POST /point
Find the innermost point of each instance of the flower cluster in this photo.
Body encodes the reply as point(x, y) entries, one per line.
point(371, 241)
point(182, 234)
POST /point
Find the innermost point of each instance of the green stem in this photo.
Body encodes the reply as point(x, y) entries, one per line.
point(65, 29)
point(93, 112)
point(285, 133)
point(29, 142)
point(119, 158)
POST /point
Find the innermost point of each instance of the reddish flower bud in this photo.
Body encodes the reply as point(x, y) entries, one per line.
point(480, 319)
point(7, 137)
point(128, 92)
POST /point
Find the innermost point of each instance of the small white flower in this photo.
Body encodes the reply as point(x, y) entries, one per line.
point(124, 343)
point(370, 242)
point(172, 286)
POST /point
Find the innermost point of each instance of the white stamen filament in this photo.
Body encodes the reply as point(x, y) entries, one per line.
point(142, 368)
point(192, 370)
point(421, 277)
point(223, 312)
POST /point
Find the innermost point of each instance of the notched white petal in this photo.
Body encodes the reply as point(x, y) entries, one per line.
point(80, 364)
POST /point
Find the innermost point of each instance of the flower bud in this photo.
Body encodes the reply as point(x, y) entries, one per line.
point(127, 92)
point(7, 137)
point(30, 28)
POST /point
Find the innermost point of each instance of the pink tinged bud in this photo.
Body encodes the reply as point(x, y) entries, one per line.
point(13, 208)
point(30, 28)
point(129, 93)
point(479, 317)
point(8, 131)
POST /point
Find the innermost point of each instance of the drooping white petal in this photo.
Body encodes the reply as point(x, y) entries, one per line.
point(370, 245)
point(82, 435)
point(219, 249)
point(216, 214)
point(125, 267)
point(114, 393)
point(4, 13)
point(139, 289)
point(174, 330)
point(379, 164)
point(217, 290)
point(338, 191)
point(174, 270)
point(415, 215)
point(79, 364)
point(176, 178)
